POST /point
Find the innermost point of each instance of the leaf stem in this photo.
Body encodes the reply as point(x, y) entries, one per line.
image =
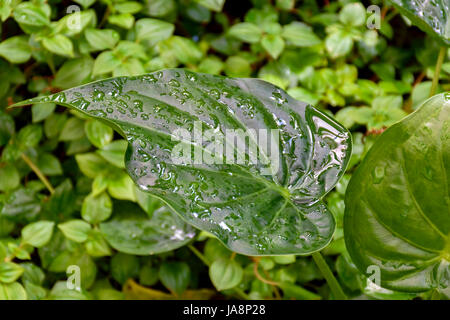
point(38, 172)
point(199, 254)
point(238, 291)
point(437, 70)
point(335, 287)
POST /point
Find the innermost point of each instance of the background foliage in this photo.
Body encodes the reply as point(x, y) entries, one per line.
point(65, 198)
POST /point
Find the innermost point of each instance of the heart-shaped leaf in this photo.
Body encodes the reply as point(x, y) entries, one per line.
point(397, 214)
point(432, 16)
point(258, 200)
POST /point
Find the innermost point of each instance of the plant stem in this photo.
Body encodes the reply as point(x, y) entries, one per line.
point(437, 70)
point(335, 287)
point(199, 254)
point(38, 172)
point(238, 291)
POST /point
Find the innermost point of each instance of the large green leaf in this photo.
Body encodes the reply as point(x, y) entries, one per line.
point(397, 214)
point(266, 204)
point(432, 16)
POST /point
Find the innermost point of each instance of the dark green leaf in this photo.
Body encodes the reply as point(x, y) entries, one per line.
point(397, 202)
point(175, 276)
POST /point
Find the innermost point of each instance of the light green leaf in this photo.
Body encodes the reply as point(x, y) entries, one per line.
point(246, 31)
point(353, 14)
point(32, 17)
point(38, 233)
point(339, 43)
point(214, 5)
point(98, 133)
point(15, 49)
point(75, 230)
point(153, 30)
point(59, 44)
point(105, 62)
point(72, 130)
point(96, 208)
point(12, 291)
point(131, 7)
point(114, 153)
point(123, 20)
point(101, 39)
point(274, 45)
point(40, 112)
point(300, 35)
point(10, 272)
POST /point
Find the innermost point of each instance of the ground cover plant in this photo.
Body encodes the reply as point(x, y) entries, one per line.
point(93, 97)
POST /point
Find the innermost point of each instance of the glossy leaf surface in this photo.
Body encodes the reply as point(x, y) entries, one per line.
point(397, 214)
point(268, 206)
point(431, 16)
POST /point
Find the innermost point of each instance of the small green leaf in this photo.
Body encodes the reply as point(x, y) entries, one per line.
point(274, 45)
point(10, 272)
point(31, 17)
point(29, 136)
point(12, 291)
point(124, 267)
point(123, 20)
point(40, 112)
point(73, 72)
point(214, 5)
point(175, 276)
point(105, 62)
point(236, 66)
point(185, 50)
point(15, 49)
point(339, 43)
point(91, 164)
point(101, 39)
point(246, 31)
point(9, 177)
point(114, 153)
point(38, 233)
point(73, 129)
point(75, 230)
point(96, 245)
point(121, 186)
point(353, 14)
point(153, 30)
point(225, 274)
point(300, 35)
point(98, 133)
point(58, 44)
point(96, 208)
point(131, 7)
point(49, 164)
